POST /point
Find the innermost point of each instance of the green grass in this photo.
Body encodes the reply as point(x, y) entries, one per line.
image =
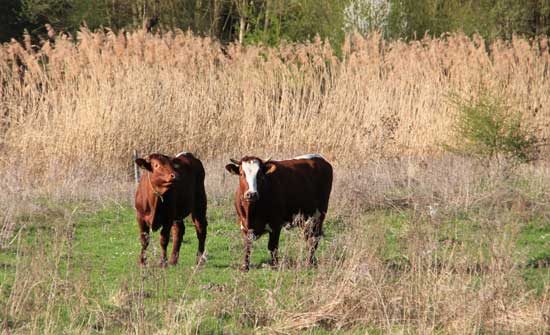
point(465, 236)
point(104, 254)
point(101, 263)
point(534, 242)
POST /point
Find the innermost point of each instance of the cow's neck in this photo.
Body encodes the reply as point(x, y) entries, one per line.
point(156, 192)
point(159, 209)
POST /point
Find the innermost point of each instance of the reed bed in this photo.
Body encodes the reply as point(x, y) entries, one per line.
point(93, 98)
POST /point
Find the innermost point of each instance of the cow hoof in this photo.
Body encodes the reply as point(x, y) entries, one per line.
point(274, 264)
point(311, 263)
point(201, 260)
point(244, 268)
point(162, 264)
point(172, 262)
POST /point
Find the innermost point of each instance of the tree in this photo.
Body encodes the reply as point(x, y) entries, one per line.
point(36, 13)
point(491, 19)
point(10, 23)
point(367, 15)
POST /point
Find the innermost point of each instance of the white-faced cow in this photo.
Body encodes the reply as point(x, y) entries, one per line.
point(170, 189)
point(271, 193)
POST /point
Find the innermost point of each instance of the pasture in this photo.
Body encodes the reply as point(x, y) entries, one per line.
point(419, 240)
point(396, 259)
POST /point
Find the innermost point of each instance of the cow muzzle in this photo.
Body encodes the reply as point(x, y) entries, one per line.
point(171, 179)
point(251, 196)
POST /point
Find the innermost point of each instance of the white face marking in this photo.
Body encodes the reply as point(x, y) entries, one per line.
point(251, 169)
point(183, 153)
point(309, 156)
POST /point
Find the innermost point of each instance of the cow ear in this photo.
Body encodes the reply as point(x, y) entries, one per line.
point(142, 163)
point(269, 168)
point(233, 169)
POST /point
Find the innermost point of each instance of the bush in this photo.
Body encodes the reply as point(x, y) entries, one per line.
point(486, 127)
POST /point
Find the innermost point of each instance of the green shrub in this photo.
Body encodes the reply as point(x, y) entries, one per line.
point(487, 128)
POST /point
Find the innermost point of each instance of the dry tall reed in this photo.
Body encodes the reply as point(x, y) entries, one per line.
point(90, 100)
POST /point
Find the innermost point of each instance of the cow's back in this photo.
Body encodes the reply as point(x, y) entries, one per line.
point(190, 168)
point(302, 185)
point(191, 181)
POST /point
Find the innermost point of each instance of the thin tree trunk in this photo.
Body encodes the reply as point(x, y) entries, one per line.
point(241, 29)
point(241, 7)
point(136, 17)
point(197, 16)
point(215, 19)
point(266, 18)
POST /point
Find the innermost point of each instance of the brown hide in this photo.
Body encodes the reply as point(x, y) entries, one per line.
point(169, 190)
point(285, 189)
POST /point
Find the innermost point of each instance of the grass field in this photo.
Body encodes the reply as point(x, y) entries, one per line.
point(71, 267)
point(103, 259)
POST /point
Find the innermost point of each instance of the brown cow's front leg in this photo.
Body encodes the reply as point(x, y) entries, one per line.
point(178, 229)
point(273, 245)
point(144, 238)
point(164, 239)
point(247, 248)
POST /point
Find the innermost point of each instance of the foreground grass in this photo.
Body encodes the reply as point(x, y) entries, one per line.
point(101, 264)
point(75, 270)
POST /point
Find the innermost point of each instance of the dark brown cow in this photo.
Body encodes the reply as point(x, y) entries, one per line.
point(272, 193)
point(169, 190)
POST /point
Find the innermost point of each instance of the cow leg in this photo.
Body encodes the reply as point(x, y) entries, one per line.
point(164, 239)
point(199, 220)
point(200, 228)
point(144, 238)
point(247, 248)
point(198, 215)
point(273, 245)
point(178, 230)
point(312, 243)
point(313, 235)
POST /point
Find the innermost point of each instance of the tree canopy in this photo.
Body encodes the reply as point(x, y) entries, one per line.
point(271, 21)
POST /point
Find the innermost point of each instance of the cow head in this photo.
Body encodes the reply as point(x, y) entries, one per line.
point(253, 176)
point(252, 172)
point(162, 171)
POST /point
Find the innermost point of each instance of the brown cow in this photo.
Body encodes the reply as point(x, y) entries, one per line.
point(272, 193)
point(170, 189)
